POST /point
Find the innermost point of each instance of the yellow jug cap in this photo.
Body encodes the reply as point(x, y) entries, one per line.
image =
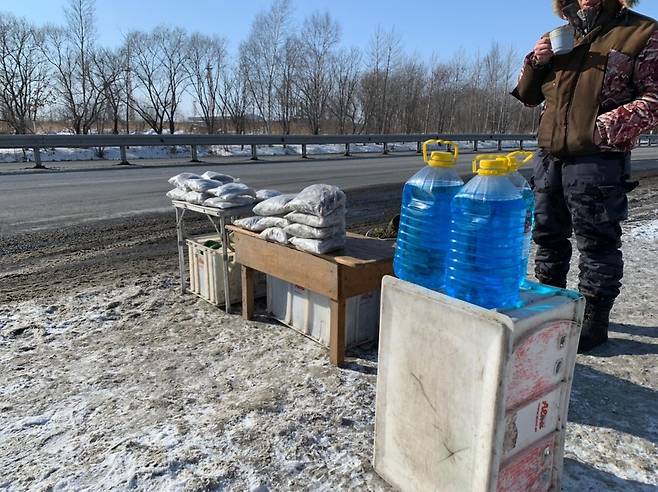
point(519, 158)
point(438, 158)
point(441, 159)
point(492, 165)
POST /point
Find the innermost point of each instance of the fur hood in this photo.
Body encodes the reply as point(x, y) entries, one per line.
point(558, 5)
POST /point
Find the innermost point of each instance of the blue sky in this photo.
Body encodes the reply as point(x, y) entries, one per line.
point(425, 26)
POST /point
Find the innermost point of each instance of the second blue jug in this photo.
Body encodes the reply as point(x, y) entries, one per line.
point(486, 240)
point(518, 159)
point(422, 242)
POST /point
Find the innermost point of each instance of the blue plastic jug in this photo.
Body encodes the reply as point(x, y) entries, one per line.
point(518, 159)
point(486, 238)
point(423, 234)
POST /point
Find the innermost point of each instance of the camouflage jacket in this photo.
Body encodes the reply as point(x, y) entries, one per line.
point(608, 84)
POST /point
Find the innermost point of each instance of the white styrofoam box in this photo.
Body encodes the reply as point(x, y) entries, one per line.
point(310, 313)
point(207, 272)
point(471, 399)
point(530, 471)
point(531, 422)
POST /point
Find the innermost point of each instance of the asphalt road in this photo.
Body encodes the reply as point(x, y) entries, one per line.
point(40, 201)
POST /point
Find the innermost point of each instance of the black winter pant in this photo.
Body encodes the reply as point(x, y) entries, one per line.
point(586, 196)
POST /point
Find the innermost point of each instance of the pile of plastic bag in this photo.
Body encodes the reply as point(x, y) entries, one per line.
point(216, 190)
point(313, 220)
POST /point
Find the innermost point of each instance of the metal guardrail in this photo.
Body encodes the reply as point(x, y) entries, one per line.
point(37, 142)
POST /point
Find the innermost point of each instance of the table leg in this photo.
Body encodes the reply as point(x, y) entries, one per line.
point(227, 288)
point(247, 292)
point(337, 333)
point(180, 234)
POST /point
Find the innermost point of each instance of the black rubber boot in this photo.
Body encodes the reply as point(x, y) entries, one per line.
point(560, 283)
point(595, 323)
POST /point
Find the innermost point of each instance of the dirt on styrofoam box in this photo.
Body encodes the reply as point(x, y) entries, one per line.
point(310, 313)
point(207, 272)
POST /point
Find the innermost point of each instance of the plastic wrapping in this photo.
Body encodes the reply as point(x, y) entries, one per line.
point(237, 201)
point(308, 232)
point(196, 198)
point(265, 194)
point(336, 218)
point(318, 199)
point(275, 234)
point(179, 180)
point(259, 224)
point(274, 206)
point(319, 246)
point(177, 194)
point(200, 185)
point(230, 190)
point(221, 178)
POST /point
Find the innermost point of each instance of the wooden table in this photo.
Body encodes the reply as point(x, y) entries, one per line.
point(356, 269)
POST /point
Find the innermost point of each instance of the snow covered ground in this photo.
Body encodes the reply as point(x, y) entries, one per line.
point(136, 153)
point(129, 385)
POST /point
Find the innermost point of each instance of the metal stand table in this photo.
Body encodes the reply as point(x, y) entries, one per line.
point(220, 226)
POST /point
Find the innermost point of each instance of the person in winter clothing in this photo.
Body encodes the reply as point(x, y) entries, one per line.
point(597, 100)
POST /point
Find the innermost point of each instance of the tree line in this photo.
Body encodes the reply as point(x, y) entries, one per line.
point(283, 79)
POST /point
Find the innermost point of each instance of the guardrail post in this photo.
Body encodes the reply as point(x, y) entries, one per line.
point(419, 148)
point(37, 158)
point(500, 145)
point(195, 154)
point(304, 154)
point(124, 157)
point(347, 150)
point(521, 144)
point(254, 153)
point(475, 145)
point(385, 152)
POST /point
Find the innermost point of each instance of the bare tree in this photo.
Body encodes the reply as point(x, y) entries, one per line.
point(71, 53)
point(205, 66)
point(261, 55)
point(235, 98)
point(343, 103)
point(318, 41)
point(384, 58)
point(408, 91)
point(287, 95)
point(24, 77)
point(158, 61)
point(109, 67)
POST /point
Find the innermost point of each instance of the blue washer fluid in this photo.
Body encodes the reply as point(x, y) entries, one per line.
point(518, 159)
point(423, 234)
point(486, 238)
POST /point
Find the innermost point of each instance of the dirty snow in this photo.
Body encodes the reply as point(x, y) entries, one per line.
point(128, 384)
point(647, 231)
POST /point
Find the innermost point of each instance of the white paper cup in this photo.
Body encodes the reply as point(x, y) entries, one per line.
point(562, 39)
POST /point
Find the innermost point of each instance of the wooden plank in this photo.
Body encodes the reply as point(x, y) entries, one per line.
point(337, 333)
point(364, 279)
point(247, 292)
point(359, 250)
point(297, 267)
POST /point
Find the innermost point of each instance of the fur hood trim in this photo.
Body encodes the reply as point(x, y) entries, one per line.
point(559, 4)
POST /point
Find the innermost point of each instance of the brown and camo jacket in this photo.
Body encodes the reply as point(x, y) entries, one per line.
point(607, 85)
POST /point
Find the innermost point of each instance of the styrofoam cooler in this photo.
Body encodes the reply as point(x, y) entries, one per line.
point(207, 272)
point(471, 399)
point(310, 313)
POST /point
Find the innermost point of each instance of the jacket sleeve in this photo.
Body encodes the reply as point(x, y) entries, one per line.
point(621, 127)
point(528, 89)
